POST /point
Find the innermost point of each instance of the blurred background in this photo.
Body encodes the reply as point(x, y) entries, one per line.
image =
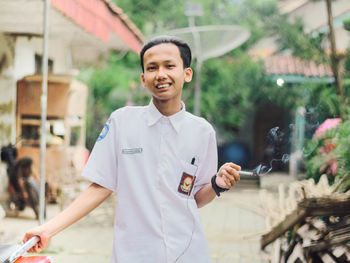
point(271, 76)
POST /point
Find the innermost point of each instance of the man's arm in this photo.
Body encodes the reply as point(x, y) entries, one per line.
point(226, 177)
point(205, 195)
point(84, 204)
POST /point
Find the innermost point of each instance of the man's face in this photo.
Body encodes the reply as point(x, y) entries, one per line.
point(164, 74)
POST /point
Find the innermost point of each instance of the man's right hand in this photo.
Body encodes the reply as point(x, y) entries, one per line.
point(43, 242)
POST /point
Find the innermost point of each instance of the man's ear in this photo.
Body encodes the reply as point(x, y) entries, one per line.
point(188, 74)
point(143, 80)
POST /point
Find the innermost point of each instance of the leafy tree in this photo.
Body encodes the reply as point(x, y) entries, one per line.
point(323, 98)
point(329, 154)
point(158, 16)
point(336, 60)
point(153, 16)
point(292, 36)
point(227, 87)
point(255, 16)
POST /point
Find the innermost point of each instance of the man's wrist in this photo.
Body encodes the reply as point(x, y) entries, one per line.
point(215, 187)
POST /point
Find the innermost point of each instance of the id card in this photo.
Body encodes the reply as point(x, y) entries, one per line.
point(186, 184)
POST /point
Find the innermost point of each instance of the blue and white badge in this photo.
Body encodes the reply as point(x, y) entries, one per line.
point(104, 132)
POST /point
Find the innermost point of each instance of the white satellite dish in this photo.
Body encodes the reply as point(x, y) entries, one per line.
point(214, 41)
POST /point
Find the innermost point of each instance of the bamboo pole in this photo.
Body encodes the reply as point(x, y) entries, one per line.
point(336, 60)
point(43, 103)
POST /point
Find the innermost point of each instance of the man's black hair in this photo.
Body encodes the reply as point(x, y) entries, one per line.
point(185, 51)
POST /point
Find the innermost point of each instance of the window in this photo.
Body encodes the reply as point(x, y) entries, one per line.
point(38, 64)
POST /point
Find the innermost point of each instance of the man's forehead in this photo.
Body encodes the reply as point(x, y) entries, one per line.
point(168, 50)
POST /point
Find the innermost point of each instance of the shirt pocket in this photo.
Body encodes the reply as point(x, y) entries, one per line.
point(187, 179)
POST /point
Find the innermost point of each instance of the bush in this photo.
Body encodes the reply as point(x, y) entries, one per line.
point(329, 154)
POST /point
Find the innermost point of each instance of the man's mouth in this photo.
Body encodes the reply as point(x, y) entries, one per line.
point(163, 86)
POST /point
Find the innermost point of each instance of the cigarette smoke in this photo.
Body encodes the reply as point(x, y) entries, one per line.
point(262, 170)
point(275, 140)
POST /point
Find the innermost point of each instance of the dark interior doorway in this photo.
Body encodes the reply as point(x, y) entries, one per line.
point(267, 117)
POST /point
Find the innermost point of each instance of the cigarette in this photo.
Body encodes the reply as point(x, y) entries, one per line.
point(246, 173)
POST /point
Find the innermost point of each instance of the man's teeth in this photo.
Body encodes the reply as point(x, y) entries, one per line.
point(163, 86)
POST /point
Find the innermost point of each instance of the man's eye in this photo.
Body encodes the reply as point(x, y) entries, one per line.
point(170, 66)
point(151, 68)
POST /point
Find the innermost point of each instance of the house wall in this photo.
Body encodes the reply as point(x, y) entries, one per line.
point(17, 59)
point(8, 96)
point(314, 14)
point(25, 51)
point(7, 110)
point(342, 38)
point(7, 125)
point(7, 104)
point(315, 18)
point(3, 184)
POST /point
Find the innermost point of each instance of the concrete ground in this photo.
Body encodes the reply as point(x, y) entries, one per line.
point(233, 225)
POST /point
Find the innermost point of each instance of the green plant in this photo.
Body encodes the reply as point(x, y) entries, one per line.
point(329, 154)
point(346, 24)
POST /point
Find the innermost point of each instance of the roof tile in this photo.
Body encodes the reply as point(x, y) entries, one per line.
point(289, 65)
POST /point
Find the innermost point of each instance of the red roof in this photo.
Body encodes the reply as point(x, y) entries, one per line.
point(289, 65)
point(100, 18)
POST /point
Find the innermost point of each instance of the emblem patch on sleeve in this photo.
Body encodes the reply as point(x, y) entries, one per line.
point(186, 184)
point(104, 131)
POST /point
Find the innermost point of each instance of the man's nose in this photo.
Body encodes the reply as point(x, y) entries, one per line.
point(161, 73)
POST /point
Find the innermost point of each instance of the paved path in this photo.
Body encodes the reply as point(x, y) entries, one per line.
point(233, 225)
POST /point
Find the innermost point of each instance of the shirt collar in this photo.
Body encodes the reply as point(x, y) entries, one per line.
point(153, 116)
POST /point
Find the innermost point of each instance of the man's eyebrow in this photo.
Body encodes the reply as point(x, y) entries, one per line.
point(151, 63)
point(156, 63)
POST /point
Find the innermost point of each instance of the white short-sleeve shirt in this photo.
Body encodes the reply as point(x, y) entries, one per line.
point(155, 164)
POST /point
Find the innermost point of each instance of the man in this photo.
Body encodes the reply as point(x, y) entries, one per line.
point(161, 161)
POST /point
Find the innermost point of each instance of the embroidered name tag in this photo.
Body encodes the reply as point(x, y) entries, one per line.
point(186, 184)
point(132, 150)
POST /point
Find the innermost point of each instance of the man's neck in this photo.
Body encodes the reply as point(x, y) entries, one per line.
point(167, 108)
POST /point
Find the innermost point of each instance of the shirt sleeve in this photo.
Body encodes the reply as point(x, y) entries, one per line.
point(102, 165)
point(209, 165)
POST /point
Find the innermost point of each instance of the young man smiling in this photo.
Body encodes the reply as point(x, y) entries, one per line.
point(164, 75)
point(161, 161)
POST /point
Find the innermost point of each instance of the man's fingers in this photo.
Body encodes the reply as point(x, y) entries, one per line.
point(38, 247)
point(233, 172)
point(229, 179)
point(229, 174)
point(234, 166)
